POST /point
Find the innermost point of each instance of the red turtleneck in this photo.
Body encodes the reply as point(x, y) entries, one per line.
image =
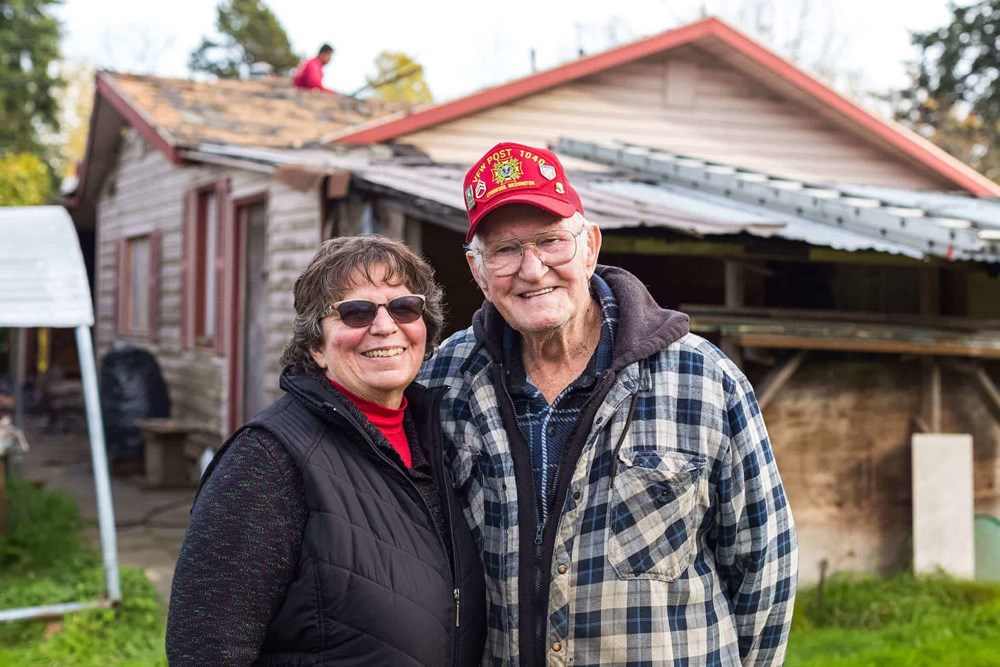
point(387, 420)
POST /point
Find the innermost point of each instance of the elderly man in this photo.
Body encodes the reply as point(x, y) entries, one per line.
point(616, 469)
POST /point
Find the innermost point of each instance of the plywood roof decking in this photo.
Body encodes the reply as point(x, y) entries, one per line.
point(255, 112)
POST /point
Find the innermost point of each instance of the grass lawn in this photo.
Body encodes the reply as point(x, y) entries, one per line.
point(903, 621)
point(43, 560)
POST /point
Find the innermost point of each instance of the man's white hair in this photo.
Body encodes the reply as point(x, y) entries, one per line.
point(476, 245)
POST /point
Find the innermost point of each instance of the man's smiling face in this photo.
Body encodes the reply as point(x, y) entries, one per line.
point(537, 299)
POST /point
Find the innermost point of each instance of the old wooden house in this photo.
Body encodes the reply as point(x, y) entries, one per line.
point(848, 264)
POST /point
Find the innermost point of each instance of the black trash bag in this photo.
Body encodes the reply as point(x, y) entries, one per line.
point(132, 388)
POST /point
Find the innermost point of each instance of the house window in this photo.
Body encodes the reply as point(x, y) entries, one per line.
point(137, 299)
point(138, 284)
point(206, 285)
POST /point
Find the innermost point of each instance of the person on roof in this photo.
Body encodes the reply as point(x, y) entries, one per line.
point(309, 75)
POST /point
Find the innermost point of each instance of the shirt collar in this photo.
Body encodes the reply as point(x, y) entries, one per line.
point(600, 361)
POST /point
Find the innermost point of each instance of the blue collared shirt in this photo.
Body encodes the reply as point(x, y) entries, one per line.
point(547, 428)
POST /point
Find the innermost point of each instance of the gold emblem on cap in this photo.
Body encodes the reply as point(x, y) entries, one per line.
point(559, 188)
point(507, 171)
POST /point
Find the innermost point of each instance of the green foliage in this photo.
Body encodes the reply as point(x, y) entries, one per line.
point(399, 78)
point(867, 603)
point(29, 48)
point(249, 33)
point(24, 180)
point(955, 96)
point(44, 561)
point(904, 620)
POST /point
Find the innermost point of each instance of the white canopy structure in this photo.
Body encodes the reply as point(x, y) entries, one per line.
point(43, 283)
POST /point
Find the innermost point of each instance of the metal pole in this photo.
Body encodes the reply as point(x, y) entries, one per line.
point(20, 348)
point(99, 456)
point(51, 611)
point(18, 373)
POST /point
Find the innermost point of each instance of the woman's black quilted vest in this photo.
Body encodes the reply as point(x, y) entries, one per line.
point(375, 584)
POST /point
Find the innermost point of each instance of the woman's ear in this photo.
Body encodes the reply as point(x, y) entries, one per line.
point(318, 357)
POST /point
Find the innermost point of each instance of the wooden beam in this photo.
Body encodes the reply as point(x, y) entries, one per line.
point(930, 291)
point(956, 323)
point(733, 296)
point(931, 394)
point(777, 379)
point(989, 392)
point(780, 342)
point(636, 245)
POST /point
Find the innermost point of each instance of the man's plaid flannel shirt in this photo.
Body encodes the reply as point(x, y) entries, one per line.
point(676, 545)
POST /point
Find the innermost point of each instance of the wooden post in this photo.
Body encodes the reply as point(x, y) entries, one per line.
point(391, 220)
point(932, 394)
point(19, 337)
point(733, 296)
point(989, 392)
point(930, 292)
point(777, 379)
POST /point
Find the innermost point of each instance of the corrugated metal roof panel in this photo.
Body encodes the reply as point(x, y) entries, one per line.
point(985, 212)
point(43, 282)
point(756, 220)
point(625, 204)
point(901, 221)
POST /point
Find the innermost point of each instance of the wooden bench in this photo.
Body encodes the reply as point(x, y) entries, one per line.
point(168, 463)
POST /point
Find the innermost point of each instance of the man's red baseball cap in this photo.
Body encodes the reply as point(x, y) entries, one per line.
point(517, 174)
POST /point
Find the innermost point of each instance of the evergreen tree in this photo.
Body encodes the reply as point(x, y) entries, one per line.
point(249, 33)
point(29, 50)
point(955, 97)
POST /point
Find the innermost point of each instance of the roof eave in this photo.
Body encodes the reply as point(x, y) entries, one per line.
point(893, 135)
point(135, 117)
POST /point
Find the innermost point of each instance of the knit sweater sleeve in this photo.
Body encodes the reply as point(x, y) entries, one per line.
point(239, 556)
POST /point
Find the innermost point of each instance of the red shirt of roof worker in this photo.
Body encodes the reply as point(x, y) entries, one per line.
point(309, 75)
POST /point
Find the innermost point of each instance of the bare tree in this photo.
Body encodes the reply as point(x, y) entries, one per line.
point(135, 48)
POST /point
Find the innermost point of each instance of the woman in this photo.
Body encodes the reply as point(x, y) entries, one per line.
point(325, 531)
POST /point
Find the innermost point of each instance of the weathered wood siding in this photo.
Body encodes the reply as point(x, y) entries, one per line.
point(685, 102)
point(145, 192)
point(841, 436)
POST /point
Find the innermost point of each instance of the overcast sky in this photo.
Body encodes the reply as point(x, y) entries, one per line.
point(465, 46)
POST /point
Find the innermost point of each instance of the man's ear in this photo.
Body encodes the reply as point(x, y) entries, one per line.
point(593, 247)
point(318, 357)
point(480, 279)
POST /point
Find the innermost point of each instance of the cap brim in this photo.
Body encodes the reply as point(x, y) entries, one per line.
point(554, 206)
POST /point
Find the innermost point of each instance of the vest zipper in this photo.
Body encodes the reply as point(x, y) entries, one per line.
point(453, 561)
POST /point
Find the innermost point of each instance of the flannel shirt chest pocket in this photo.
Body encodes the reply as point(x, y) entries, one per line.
point(653, 513)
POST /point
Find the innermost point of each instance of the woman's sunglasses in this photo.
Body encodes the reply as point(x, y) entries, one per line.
point(361, 312)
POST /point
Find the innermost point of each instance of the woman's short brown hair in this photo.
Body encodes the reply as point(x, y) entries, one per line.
point(343, 263)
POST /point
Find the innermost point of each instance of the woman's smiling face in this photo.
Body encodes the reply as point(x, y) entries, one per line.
point(378, 361)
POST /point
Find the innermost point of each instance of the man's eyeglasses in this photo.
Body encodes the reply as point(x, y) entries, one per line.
point(553, 248)
point(361, 312)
